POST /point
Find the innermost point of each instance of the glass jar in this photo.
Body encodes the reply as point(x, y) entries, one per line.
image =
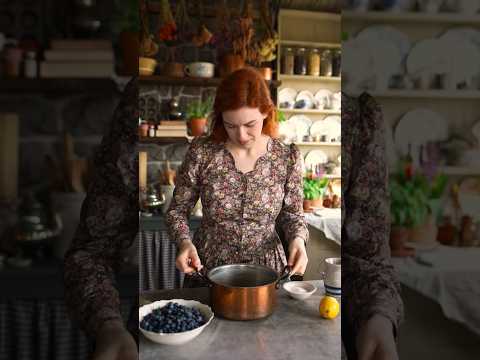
point(314, 63)
point(300, 67)
point(337, 63)
point(326, 63)
point(288, 61)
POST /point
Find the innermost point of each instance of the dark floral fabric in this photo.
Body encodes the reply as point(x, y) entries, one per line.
point(109, 221)
point(369, 282)
point(239, 209)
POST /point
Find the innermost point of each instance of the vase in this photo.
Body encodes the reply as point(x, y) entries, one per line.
point(129, 44)
point(230, 63)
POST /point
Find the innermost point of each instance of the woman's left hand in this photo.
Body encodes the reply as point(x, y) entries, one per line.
point(297, 259)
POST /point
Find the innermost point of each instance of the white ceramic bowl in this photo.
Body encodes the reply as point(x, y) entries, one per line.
point(174, 338)
point(299, 290)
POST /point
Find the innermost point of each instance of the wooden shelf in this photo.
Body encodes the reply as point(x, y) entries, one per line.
point(311, 111)
point(460, 171)
point(313, 143)
point(164, 139)
point(57, 85)
point(414, 17)
point(190, 81)
point(315, 15)
point(310, 44)
point(310, 78)
point(429, 94)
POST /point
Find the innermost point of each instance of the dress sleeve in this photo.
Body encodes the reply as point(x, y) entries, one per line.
point(108, 222)
point(370, 285)
point(186, 194)
point(291, 216)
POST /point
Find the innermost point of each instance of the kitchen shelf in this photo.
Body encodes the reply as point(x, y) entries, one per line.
point(190, 81)
point(429, 94)
point(335, 79)
point(311, 111)
point(460, 171)
point(164, 139)
point(57, 85)
point(413, 17)
point(310, 44)
point(323, 143)
point(315, 15)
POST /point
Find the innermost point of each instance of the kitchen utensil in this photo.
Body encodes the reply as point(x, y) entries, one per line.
point(330, 126)
point(299, 290)
point(302, 125)
point(323, 99)
point(244, 291)
point(332, 277)
point(174, 338)
point(200, 69)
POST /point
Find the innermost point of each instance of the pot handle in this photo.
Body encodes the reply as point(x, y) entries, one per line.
point(284, 277)
point(202, 274)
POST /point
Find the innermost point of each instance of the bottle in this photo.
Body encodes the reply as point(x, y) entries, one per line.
point(314, 63)
point(300, 67)
point(326, 63)
point(337, 63)
point(288, 61)
point(30, 65)
point(151, 131)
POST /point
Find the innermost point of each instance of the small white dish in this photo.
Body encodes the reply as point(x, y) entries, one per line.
point(174, 338)
point(299, 290)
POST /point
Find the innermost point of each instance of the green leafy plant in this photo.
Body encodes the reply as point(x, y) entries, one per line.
point(126, 16)
point(313, 189)
point(199, 109)
point(281, 116)
point(412, 197)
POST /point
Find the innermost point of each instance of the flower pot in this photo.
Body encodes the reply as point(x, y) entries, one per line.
point(230, 63)
point(129, 44)
point(146, 66)
point(307, 205)
point(399, 235)
point(197, 126)
point(266, 72)
point(174, 69)
point(425, 233)
point(317, 203)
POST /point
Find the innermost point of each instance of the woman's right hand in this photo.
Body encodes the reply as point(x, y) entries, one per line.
point(187, 259)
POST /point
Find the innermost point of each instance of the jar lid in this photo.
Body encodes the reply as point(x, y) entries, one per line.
point(314, 50)
point(301, 49)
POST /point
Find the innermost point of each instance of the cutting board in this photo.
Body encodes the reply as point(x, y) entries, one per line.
point(9, 125)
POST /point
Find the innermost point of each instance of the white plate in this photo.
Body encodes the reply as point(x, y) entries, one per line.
point(389, 34)
point(301, 124)
point(323, 99)
point(315, 157)
point(287, 95)
point(387, 60)
point(174, 338)
point(306, 96)
point(337, 101)
point(417, 127)
point(427, 55)
point(330, 126)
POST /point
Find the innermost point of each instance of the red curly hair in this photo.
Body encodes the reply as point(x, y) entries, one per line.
point(244, 87)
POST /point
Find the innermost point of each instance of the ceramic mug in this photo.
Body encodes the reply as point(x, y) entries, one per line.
point(200, 69)
point(332, 276)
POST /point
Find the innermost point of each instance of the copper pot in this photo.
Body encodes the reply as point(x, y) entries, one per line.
point(230, 63)
point(244, 291)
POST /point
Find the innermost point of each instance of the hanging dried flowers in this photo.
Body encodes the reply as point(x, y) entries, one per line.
point(148, 46)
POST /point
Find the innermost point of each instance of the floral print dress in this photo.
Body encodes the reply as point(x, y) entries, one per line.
point(369, 283)
point(240, 210)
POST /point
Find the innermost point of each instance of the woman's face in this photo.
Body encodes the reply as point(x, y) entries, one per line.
point(243, 126)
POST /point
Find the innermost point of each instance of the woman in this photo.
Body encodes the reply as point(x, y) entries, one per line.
point(371, 304)
point(247, 180)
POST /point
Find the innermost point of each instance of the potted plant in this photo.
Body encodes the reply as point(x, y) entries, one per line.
point(413, 205)
point(197, 113)
point(313, 190)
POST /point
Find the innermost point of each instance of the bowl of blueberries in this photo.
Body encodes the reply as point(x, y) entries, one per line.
point(174, 322)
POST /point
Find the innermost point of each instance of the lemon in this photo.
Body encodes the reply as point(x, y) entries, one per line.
point(329, 307)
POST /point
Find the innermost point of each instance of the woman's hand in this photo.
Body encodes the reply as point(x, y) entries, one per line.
point(114, 342)
point(297, 259)
point(187, 259)
point(375, 340)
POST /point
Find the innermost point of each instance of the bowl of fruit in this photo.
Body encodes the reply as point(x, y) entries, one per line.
point(174, 322)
